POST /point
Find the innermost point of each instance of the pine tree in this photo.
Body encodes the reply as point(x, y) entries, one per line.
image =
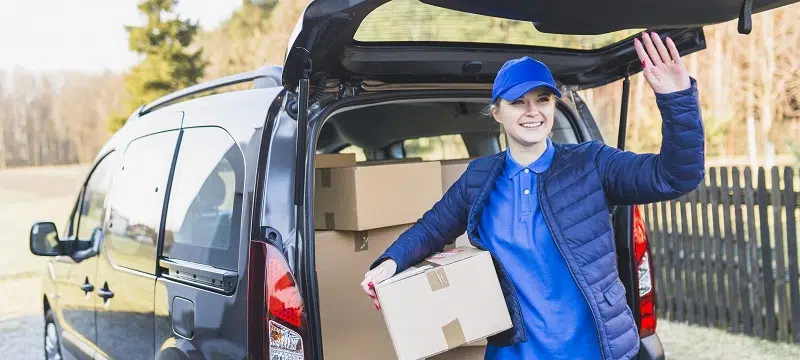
point(168, 64)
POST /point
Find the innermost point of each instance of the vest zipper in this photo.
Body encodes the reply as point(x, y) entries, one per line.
point(540, 192)
point(480, 246)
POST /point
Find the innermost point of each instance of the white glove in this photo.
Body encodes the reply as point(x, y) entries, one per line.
point(385, 270)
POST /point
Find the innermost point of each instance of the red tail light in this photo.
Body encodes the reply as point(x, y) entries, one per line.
point(277, 322)
point(645, 277)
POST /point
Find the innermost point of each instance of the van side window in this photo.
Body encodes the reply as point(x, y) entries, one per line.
point(91, 213)
point(204, 211)
point(446, 147)
point(137, 201)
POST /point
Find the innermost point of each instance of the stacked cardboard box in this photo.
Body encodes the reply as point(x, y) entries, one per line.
point(351, 326)
point(375, 195)
point(360, 209)
point(451, 171)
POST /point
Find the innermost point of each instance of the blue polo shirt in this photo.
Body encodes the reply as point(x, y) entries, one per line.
point(557, 318)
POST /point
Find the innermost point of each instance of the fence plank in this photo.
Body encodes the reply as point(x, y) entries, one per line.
point(744, 317)
point(686, 252)
point(791, 241)
point(780, 267)
point(677, 251)
point(708, 258)
point(766, 258)
point(656, 246)
point(722, 303)
point(697, 242)
point(668, 263)
point(730, 285)
point(753, 275)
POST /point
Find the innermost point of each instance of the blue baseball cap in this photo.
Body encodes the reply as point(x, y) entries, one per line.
point(518, 76)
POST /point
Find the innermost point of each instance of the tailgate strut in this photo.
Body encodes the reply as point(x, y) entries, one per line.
point(623, 112)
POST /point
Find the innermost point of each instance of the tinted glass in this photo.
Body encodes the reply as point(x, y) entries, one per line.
point(94, 196)
point(205, 201)
point(137, 200)
point(412, 20)
point(434, 148)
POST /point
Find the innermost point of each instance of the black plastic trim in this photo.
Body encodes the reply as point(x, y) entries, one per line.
point(204, 276)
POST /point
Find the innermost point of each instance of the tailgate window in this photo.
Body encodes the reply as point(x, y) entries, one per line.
point(446, 147)
point(414, 21)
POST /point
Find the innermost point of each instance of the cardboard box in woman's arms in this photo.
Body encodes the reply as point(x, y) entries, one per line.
point(450, 299)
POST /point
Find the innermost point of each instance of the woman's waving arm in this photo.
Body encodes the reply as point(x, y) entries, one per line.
point(679, 167)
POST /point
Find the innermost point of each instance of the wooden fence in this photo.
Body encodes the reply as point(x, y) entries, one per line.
point(725, 255)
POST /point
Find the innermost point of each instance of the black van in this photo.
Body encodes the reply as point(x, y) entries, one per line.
point(192, 237)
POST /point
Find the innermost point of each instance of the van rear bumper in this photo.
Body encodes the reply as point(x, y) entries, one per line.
point(650, 348)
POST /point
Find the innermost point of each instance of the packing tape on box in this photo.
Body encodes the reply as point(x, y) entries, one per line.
point(437, 278)
point(330, 221)
point(361, 240)
point(325, 176)
point(453, 334)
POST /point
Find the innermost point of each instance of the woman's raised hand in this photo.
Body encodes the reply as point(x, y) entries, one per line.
point(663, 68)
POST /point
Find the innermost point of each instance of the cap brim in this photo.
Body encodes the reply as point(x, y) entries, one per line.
point(517, 91)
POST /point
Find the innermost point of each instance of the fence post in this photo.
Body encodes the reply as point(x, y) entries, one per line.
point(766, 256)
point(677, 258)
point(687, 261)
point(745, 318)
point(708, 258)
point(669, 257)
point(730, 257)
point(791, 241)
point(719, 260)
point(697, 243)
point(754, 274)
point(780, 267)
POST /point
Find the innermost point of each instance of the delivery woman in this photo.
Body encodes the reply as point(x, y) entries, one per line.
point(542, 210)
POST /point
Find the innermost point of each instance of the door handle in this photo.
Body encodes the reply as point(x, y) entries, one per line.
point(87, 288)
point(105, 293)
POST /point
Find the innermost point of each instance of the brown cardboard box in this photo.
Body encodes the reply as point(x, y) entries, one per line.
point(351, 327)
point(322, 161)
point(371, 196)
point(450, 299)
point(451, 171)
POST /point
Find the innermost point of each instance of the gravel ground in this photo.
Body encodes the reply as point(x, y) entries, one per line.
point(21, 338)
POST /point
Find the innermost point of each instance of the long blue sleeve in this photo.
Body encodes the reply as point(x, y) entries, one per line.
point(678, 168)
point(440, 225)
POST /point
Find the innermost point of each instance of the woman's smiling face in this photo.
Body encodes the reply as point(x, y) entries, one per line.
point(528, 120)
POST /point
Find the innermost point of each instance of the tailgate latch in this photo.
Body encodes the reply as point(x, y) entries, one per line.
point(746, 17)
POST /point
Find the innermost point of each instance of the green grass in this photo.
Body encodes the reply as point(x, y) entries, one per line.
point(27, 196)
point(682, 341)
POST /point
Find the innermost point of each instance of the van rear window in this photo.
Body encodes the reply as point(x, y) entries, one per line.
point(446, 147)
point(414, 21)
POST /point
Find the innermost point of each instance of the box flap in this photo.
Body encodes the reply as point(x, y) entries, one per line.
point(407, 273)
point(439, 259)
point(389, 161)
point(453, 255)
point(326, 161)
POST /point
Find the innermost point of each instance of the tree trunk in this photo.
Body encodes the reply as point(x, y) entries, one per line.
point(750, 104)
point(768, 96)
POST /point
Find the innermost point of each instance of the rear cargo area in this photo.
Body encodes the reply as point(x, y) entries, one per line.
point(363, 200)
